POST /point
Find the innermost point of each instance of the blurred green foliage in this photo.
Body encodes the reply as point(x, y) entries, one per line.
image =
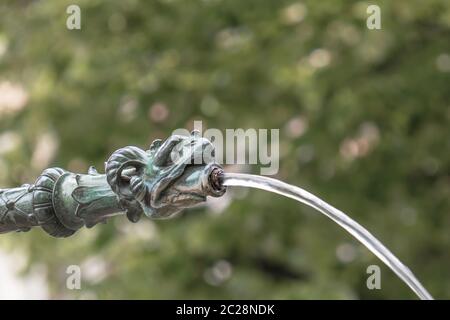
point(364, 118)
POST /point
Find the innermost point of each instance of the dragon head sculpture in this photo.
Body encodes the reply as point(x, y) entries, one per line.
point(172, 175)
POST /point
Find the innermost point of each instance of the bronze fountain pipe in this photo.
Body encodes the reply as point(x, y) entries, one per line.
point(158, 183)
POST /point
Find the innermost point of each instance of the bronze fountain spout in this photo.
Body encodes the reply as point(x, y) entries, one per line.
point(172, 175)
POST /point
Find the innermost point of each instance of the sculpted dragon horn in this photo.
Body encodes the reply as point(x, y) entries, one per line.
point(127, 158)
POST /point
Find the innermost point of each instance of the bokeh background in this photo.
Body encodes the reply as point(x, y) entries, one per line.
point(364, 119)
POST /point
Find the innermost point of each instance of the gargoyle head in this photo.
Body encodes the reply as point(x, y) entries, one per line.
point(170, 176)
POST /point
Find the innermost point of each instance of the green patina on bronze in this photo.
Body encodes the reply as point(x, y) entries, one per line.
point(170, 176)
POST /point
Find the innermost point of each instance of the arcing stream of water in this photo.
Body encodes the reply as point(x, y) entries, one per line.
point(354, 228)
